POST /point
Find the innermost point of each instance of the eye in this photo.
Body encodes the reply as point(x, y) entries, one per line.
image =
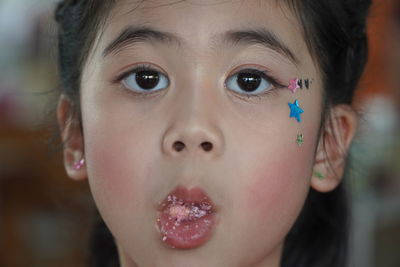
point(143, 79)
point(251, 82)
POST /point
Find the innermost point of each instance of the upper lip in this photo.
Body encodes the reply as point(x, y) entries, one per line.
point(194, 195)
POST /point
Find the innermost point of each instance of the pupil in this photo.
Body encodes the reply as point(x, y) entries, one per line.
point(249, 81)
point(147, 79)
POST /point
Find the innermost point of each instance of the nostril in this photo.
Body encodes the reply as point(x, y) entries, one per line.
point(178, 145)
point(207, 146)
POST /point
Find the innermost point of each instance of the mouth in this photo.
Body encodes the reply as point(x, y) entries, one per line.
point(186, 218)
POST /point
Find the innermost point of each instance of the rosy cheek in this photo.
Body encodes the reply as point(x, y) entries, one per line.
point(112, 173)
point(281, 187)
point(265, 192)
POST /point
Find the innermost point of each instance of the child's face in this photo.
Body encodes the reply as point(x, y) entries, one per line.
point(255, 173)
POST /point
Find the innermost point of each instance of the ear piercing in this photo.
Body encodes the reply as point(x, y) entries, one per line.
point(319, 175)
point(78, 165)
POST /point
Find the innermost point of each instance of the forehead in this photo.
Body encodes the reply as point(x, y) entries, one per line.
point(198, 22)
point(162, 10)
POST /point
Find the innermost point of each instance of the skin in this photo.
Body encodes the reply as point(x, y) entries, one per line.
point(256, 174)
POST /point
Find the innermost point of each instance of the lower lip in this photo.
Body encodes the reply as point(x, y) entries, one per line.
point(186, 234)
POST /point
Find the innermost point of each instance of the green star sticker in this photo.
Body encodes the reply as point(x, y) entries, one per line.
point(300, 139)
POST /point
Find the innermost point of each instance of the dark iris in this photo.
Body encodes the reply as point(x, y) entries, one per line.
point(147, 79)
point(248, 81)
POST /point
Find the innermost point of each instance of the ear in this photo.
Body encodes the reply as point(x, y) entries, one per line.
point(72, 139)
point(333, 146)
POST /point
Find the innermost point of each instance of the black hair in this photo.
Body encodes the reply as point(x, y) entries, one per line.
point(335, 33)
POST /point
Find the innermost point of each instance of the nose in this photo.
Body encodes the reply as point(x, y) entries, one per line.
point(193, 131)
point(190, 139)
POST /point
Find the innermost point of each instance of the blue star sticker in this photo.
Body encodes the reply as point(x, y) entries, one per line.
point(295, 110)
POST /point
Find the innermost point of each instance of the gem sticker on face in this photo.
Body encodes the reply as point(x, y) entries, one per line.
point(294, 85)
point(295, 110)
point(300, 139)
point(305, 82)
point(297, 83)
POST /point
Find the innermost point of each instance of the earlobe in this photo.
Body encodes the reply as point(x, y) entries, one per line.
point(72, 139)
point(333, 147)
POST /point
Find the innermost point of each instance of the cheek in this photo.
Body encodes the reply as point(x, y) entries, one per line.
point(271, 191)
point(110, 179)
point(277, 189)
point(280, 185)
point(115, 150)
point(116, 168)
point(272, 200)
point(281, 182)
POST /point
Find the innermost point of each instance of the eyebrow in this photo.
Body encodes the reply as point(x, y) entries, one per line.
point(261, 36)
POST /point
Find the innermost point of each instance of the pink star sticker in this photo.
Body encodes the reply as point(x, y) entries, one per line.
point(294, 85)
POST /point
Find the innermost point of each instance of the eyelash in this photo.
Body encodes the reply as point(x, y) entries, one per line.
point(138, 68)
point(265, 74)
point(254, 70)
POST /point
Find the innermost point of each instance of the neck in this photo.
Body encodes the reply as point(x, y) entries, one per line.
point(271, 260)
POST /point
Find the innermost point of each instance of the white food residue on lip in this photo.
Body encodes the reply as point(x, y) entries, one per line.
point(197, 212)
point(180, 211)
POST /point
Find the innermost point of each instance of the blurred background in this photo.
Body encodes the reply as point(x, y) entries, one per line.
point(45, 217)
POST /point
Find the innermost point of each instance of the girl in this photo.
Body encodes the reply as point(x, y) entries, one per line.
point(213, 132)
